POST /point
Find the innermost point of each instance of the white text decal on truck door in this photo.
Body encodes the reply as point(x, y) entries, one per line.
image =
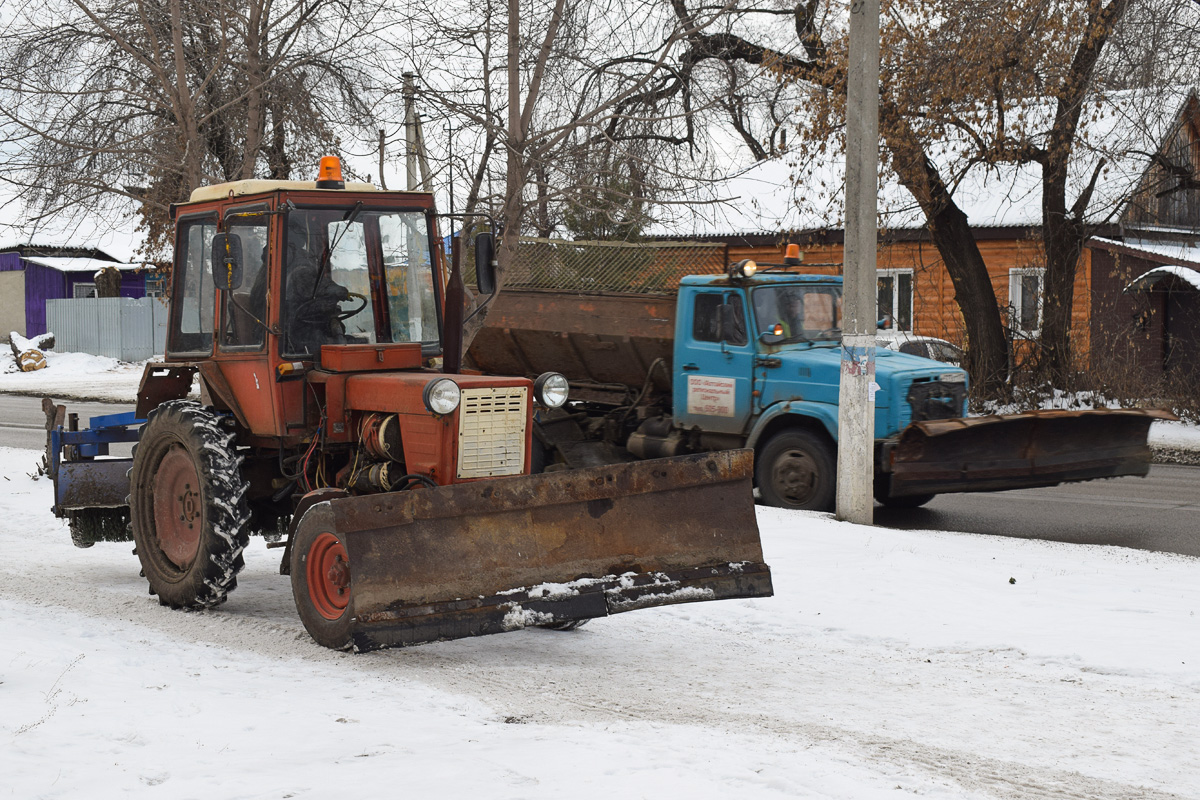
point(710, 396)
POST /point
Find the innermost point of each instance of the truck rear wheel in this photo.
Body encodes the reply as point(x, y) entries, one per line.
point(187, 503)
point(796, 469)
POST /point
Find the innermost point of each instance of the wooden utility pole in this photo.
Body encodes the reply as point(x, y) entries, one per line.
point(856, 410)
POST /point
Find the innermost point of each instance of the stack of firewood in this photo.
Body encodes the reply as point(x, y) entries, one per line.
point(29, 352)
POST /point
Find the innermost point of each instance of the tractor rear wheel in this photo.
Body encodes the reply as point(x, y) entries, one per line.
point(187, 503)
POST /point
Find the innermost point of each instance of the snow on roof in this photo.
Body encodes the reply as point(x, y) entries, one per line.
point(91, 265)
point(1183, 253)
point(1151, 277)
point(39, 245)
point(794, 193)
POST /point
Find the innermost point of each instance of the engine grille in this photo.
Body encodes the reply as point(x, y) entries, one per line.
point(936, 400)
point(491, 431)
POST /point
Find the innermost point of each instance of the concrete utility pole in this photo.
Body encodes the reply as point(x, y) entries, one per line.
point(410, 132)
point(856, 411)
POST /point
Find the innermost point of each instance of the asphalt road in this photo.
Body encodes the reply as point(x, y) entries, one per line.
point(22, 423)
point(1160, 512)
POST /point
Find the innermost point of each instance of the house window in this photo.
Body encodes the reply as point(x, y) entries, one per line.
point(1025, 299)
point(895, 299)
point(83, 290)
point(155, 284)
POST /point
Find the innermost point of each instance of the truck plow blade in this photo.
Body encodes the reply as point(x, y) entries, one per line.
point(499, 555)
point(1018, 451)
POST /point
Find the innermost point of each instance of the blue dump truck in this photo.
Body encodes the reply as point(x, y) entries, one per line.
point(752, 359)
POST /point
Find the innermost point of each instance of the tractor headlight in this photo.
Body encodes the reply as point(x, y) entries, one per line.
point(550, 389)
point(442, 396)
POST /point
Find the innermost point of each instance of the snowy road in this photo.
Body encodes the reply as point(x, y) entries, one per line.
point(889, 663)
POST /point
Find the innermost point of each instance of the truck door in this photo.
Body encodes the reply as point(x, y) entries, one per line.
point(713, 362)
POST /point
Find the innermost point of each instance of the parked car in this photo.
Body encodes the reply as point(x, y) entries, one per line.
point(924, 346)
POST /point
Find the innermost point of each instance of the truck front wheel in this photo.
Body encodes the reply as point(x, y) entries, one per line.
point(187, 506)
point(883, 490)
point(796, 469)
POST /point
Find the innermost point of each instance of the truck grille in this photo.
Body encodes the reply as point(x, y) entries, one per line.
point(936, 400)
point(491, 431)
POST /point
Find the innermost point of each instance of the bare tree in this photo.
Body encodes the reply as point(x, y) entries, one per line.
point(585, 101)
point(965, 85)
point(103, 102)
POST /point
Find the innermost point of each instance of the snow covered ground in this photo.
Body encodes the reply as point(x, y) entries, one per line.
point(77, 376)
point(889, 663)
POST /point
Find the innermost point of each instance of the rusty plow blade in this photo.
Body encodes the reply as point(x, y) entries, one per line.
point(504, 554)
point(1018, 451)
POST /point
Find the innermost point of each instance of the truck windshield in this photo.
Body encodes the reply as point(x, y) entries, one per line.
point(330, 259)
point(802, 313)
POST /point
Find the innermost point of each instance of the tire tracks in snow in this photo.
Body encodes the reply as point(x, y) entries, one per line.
point(648, 669)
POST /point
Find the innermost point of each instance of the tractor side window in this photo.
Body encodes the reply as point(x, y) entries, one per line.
point(707, 323)
point(245, 308)
point(193, 309)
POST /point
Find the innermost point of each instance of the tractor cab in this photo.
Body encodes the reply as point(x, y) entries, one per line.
point(308, 264)
point(278, 283)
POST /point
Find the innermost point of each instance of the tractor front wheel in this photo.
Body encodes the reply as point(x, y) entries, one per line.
point(320, 570)
point(187, 506)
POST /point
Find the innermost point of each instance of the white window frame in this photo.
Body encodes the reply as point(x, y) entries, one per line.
point(895, 274)
point(1014, 298)
point(80, 290)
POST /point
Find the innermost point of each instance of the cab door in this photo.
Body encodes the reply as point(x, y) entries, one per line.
point(713, 361)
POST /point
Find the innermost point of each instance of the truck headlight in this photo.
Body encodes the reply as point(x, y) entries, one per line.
point(550, 389)
point(442, 396)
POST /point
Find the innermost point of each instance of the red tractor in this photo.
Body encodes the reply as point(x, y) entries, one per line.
point(325, 337)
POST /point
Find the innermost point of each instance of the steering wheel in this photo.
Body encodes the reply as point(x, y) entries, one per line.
point(345, 315)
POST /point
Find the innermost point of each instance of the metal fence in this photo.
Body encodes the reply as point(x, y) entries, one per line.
point(123, 328)
point(632, 267)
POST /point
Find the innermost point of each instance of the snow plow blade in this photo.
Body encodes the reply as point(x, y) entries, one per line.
point(1020, 451)
point(503, 554)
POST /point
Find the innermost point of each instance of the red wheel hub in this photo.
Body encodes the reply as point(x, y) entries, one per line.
point(178, 507)
point(327, 569)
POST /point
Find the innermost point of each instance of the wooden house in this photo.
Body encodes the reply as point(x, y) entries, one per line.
point(1145, 215)
point(31, 274)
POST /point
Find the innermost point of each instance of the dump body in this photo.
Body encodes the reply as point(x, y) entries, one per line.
point(596, 341)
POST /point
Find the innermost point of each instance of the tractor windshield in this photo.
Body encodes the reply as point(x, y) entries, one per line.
point(802, 313)
point(335, 256)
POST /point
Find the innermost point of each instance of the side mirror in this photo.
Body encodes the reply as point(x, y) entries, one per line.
point(485, 263)
point(227, 261)
point(770, 339)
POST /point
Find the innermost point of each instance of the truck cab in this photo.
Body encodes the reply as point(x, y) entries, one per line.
point(758, 358)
